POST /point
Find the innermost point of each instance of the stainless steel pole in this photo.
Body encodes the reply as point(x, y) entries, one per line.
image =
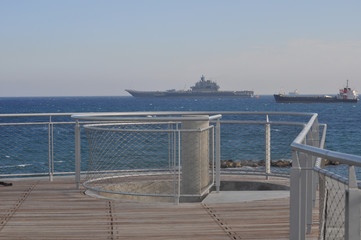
point(267, 148)
point(218, 155)
point(352, 207)
point(77, 154)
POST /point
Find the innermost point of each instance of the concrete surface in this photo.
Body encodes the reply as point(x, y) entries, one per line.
point(244, 196)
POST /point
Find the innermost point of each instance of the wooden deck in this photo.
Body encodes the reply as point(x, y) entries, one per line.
point(38, 209)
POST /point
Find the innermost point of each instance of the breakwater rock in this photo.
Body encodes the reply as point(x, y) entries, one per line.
point(261, 163)
point(253, 163)
point(329, 162)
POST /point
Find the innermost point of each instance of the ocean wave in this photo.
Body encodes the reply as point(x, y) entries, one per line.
point(16, 166)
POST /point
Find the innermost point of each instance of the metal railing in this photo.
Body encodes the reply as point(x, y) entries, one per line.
point(146, 161)
point(43, 144)
point(46, 142)
point(339, 196)
point(36, 144)
point(230, 119)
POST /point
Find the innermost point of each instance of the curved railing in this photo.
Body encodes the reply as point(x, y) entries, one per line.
point(339, 196)
point(228, 118)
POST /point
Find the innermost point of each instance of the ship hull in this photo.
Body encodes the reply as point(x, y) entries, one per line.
point(312, 99)
point(190, 94)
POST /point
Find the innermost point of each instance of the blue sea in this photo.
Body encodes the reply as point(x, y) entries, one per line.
point(342, 119)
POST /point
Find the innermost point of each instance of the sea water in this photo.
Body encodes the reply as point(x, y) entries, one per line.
point(342, 119)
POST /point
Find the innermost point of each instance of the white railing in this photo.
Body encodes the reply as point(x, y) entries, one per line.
point(339, 196)
point(46, 141)
point(37, 140)
point(230, 119)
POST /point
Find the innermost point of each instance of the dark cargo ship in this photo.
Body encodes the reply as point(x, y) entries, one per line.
point(203, 88)
point(346, 95)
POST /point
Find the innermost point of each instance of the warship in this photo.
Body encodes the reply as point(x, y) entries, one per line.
point(345, 95)
point(202, 88)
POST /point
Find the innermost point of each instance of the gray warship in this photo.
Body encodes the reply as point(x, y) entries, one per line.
point(202, 88)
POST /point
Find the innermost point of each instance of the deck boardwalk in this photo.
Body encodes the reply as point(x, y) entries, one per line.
point(38, 209)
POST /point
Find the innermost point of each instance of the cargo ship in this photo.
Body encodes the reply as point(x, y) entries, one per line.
point(202, 88)
point(345, 95)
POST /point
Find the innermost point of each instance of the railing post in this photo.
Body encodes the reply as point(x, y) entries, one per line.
point(267, 148)
point(177, 199)
point(51, 149)
point(213, 157)
point(316, 143)
point(309, 184)
point(297, 218)
point(174, 163)
point(218, 155)
point(309, 193)
point(352, 207)
point(177, 144)
point(77, 154)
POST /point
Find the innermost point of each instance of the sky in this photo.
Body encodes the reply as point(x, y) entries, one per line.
point(101, 48)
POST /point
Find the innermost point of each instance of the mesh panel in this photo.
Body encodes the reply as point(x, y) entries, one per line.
point(63, 147)
point(332, 208)
point(140, 159)
point(36, 145)
point(24, 149)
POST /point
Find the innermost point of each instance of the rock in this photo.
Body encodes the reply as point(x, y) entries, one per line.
point(254, 164)
point(330, 162)
point(238, 164)
point(281, 163)
point(228, 164)
point(248, 163)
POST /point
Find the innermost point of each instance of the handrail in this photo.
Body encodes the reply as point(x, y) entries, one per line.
point(344, 158)
point(147, 117)
point(302, 135)
point(318, 163)
point(156, 113)
point(298, 146)
point(253, 122)
point(35, 114)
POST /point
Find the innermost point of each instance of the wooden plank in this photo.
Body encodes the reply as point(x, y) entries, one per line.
point(55, 210)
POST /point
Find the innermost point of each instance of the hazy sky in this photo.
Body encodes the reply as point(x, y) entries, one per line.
point(99, 48)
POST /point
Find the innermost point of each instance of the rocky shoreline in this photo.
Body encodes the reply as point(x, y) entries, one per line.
point(282, 163)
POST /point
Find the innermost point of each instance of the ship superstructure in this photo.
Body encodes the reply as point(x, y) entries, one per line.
point(202, 88)
point(205, 86)
point(347, 93)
